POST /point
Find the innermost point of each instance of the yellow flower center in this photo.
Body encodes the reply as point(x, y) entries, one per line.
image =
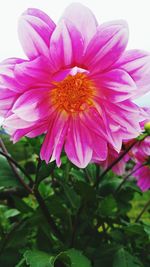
point(74, 93)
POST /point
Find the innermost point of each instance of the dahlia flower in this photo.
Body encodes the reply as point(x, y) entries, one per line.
point(76, 87)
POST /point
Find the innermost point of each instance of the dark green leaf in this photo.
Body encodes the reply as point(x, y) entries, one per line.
point(72, 258)
point(108, 206)
point(38, 259)
point(7, 177)
point(123, 259)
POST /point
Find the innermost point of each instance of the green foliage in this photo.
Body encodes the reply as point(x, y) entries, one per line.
point(68, 258)
point(124, 259)
point(71, 258)
point(7, 177)
point(79, 224)
point(37, 259)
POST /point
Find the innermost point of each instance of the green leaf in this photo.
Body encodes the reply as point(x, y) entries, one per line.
point(37, 259)
point(109, 184)
point(21, 263)
point(108, 206)
point(72, 258)
point(7, 177)
point(21, 205)
point(91, 171)
point(72, 196)
point(11, 213)
point(124, 259)
point(46, 170)
point(77, 174)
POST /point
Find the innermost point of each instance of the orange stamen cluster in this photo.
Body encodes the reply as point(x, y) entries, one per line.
point(74, 93)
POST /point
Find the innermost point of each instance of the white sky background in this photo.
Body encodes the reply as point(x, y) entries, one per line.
point(135, 12)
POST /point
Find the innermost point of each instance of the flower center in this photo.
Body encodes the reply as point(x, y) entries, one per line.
point(74, 93)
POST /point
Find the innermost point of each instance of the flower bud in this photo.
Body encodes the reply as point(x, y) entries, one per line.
point(147, 127)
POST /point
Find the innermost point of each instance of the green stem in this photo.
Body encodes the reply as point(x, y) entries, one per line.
point(13, 166)
point(115, 162)
point(143, 210)
point(43, 206)
point(5, 153)
point(127, 176)
point(47, 215)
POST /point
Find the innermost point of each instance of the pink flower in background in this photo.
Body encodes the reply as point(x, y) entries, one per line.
point(76, 86)
point(141, 155)
point(118, 168)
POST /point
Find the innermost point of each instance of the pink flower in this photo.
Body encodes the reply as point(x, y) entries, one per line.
point(76, 86)
point(141, 155)
point(118, 168)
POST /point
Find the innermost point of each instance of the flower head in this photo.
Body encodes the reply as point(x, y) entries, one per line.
point(76, 87)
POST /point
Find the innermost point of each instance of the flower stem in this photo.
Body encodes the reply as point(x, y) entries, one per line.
point(13, 166)
point(126, 178)
point(142, 211)
point(5, 153)
point(43, 206)
point(47, 215)
point(115, 162)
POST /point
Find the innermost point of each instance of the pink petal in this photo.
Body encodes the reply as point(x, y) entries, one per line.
point(32, 72)
point(35, 29)
point(14, 122)
point(106, 46)
point(41, 15)
point(19, 128)
point(100, 151)
point(55, 137)
point(7, 99)
point(83, 19)
point(33, 131)
point(121, 121)
point(115, 85)
point(78, 143)
point(128, 120)
point(33, 105)
point(143, 177)
point(66, 45)
point(7, 77)
point(93, 121)
point(137, 64)
point(119, 168)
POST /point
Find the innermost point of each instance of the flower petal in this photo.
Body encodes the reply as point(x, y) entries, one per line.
point(35, 29)
point(100, 151)
point(143, 177)
point(55, 138)
point(66, 45)
point(137, 64)
point(93, 121)
point(83, 19)
point(115, 85)
point(33, 105)
point(7, 77)
point(31, 132)
point(7, 99)
point(106, 46)
point(19, 128)
point(78, 143)
point(30, 73)
point(121, 121)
